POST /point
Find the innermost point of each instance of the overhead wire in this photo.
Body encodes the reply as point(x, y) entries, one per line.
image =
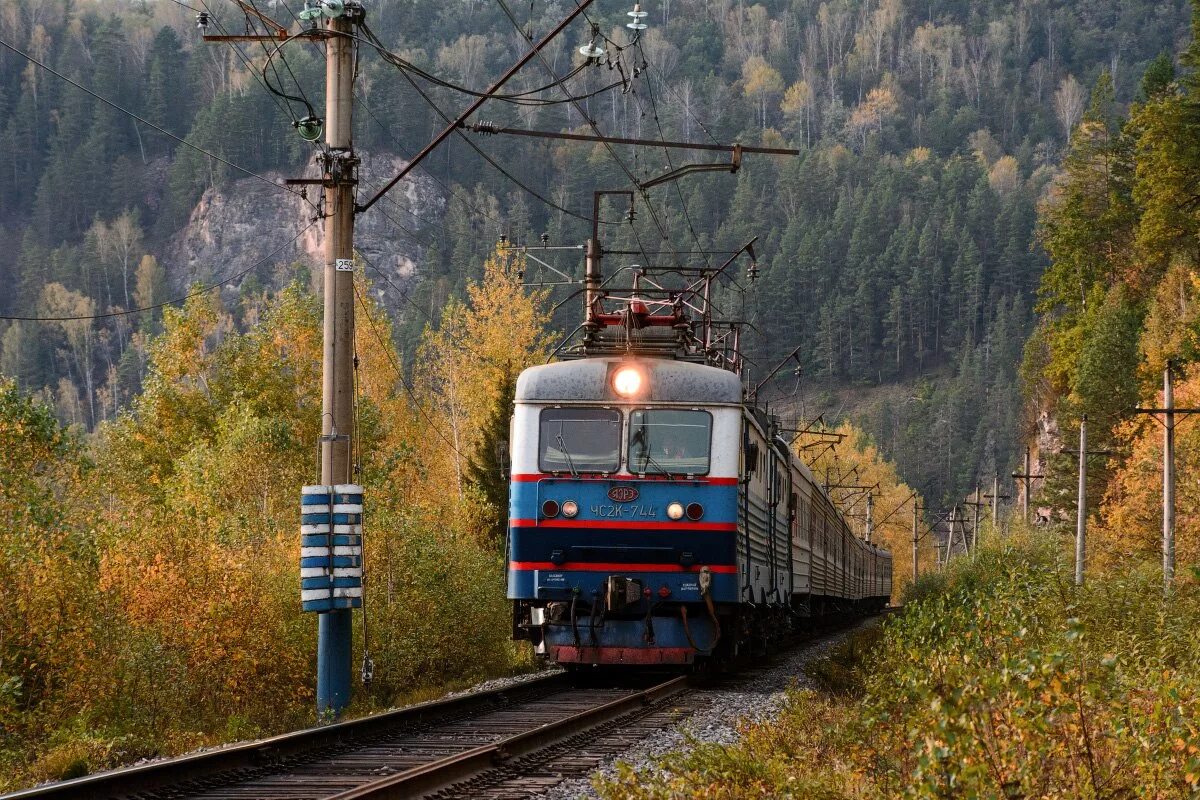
point(303, 98)
point(173, 301)
point(361, 102)
point(287, 110)
point(670, 162)
point(483, 154)
point(412, 395)
point(151, 125)
point(245, 59)
point(263, 82)
point(596, 129)
point(686, 106)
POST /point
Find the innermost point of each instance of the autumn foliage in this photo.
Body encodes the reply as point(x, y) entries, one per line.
point(998, 680)
point(152, 568)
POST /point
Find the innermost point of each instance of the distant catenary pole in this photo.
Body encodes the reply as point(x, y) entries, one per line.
point(1168, 529)
point(1081, 505)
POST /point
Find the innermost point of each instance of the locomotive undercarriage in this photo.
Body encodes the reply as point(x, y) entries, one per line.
point(585, 631)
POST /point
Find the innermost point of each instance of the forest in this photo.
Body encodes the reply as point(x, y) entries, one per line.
point(901, 246)
point(990, 224)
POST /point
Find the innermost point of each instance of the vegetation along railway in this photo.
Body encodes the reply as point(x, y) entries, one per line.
point(660, 530)
point(498, 743)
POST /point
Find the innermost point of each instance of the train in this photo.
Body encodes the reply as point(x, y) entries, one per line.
point(657, 516)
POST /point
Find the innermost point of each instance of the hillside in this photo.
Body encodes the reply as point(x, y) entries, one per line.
point(900, 244)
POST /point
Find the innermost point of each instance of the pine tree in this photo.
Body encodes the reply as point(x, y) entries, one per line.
point(487, 471)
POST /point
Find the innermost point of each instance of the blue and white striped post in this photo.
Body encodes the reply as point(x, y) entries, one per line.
point(331, 582)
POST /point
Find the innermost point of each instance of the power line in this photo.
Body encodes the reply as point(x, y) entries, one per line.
point(437, 109)
point(670, 161)
point(391, 136)
point(303, 97)
point(592, 124)
point(241, 55)
point(686, 106)
point(181, 299)
point(399, 147)
point(412, 395)
point(163, 131)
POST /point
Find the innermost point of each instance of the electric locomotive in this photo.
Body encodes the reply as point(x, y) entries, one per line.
point(655, 516)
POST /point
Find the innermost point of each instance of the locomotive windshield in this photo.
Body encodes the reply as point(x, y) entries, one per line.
point(668, 441)
point(579, 440)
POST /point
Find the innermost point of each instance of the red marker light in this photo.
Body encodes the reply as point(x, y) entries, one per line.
point(664, 592)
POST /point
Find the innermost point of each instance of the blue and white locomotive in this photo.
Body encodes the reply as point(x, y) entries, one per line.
point(655, 516)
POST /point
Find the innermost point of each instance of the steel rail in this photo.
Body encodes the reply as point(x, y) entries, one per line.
point(444, 773)
point(173, 772)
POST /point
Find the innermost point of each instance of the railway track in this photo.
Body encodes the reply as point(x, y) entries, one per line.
point(500, 744)
point(448, 748)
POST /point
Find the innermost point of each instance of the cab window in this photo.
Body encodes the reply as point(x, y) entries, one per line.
point(669, 441)
point(579, 440)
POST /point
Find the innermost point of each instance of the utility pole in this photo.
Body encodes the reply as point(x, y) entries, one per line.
point(1026, 477)
point(995, 494)
point(1168, 543)
point(870, 515)
point(1025, 494)
point(975, 505)
point(340, 165)
point(1081, 504)
point(914, 542)
point(950, 538)
point(1169, 412)
point(339, 179)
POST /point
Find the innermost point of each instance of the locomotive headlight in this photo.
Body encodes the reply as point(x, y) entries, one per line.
point(627, 381)
point(675, 510)
point(570, 508)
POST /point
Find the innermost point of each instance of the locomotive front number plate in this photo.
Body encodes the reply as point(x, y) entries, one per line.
point(623, 494)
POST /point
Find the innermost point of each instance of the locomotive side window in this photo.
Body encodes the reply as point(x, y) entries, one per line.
point(669, 441)
point(579, 440)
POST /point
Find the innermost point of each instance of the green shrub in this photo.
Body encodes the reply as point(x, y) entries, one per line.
point(842, 671)
point(1000, 679)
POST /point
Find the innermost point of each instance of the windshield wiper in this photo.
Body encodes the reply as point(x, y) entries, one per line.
point(570, 461)
point(640, 438)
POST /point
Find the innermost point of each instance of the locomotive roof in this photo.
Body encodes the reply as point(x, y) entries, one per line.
point(669, 381)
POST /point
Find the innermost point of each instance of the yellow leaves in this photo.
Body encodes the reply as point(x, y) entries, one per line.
point(1131, 515)
point(894, 530)
point(798, 98)
point(760, 78)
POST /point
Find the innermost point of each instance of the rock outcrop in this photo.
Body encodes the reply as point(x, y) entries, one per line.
point(248, 223)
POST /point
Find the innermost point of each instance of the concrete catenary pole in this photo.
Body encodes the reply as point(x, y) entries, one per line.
point(870, 515)
point(975, 522)
point(995, 500)
point(1025, 494)
point(1168, 543)
point(914, 541)
point(334, 628)
point(1081, 509)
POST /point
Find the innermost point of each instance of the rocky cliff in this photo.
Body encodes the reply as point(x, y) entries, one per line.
point(248, 222)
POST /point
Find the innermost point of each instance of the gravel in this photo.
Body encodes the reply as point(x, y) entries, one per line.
point(504, 683)
point(757, 696)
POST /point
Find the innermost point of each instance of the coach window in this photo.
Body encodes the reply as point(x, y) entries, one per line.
point(669, 441)
point(579, 440)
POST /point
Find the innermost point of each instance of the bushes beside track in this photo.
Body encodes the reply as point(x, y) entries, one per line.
point(999, 679)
